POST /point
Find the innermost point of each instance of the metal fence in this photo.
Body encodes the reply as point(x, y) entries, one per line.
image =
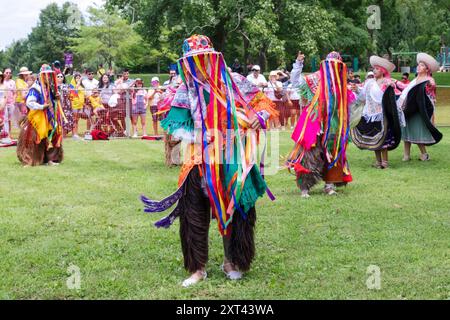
point(116, 121)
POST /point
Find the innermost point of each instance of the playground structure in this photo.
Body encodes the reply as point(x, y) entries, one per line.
point(444, 58)
point(404, 60)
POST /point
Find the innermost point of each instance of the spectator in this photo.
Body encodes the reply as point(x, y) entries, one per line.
point(90, 83)
point(22, 90)
point(370, 75)
point(295, 109)
point(56, 66)
point(154, 97)
point(77, 97)
point(256, 78)
point(96, 102)
point(9, 112)
point(2, 101)
point(139, 109)
point(119, 79)
point(274, 92)
point(174, 80)
point(64, 94)
point(107, 90)
point(123, 84)
point(357, 79)
point(236, 67)
point(405, 78)
point(351, 77)
point(283, 77)
point(101, 71)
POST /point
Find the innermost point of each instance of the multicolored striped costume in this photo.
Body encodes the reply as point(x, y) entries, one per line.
point(211, 111)
point(322, 132)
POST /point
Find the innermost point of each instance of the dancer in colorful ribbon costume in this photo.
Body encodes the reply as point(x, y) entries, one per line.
point(321, 134)
point(40, 139)
point(219, 114)
point(379, 129)
point(418, 102)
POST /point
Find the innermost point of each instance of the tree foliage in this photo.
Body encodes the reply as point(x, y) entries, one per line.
point(146, 35)
point(108, 38)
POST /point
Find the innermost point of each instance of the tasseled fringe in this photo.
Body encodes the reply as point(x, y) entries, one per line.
point(167, 221)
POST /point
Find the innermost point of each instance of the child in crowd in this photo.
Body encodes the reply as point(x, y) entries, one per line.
point(154, 96)
point(78, 98)
point(96, 102)
point(139, 107)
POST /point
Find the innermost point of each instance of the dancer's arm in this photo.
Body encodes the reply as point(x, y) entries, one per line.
point(34, 105)
point(297, 69)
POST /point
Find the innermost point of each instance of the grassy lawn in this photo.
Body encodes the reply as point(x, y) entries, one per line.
point(86, 212)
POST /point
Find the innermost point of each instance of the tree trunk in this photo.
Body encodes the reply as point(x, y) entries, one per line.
point(246, 60)
point(263, 58)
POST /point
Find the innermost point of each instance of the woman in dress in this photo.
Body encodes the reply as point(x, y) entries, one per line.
point(418, 101)
point(379, 129)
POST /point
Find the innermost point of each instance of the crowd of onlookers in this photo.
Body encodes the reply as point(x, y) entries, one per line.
point(101, 98)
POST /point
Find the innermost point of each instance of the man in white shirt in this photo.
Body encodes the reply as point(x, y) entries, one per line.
point(9, 109)
point(174, 80)
point(90, 83)
point(257, 78)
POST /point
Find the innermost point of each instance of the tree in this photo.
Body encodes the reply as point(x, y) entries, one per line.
point(107, 38)
point(50, 38)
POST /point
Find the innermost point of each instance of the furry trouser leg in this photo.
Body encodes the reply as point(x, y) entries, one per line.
point(240, 244)
point(194, 223)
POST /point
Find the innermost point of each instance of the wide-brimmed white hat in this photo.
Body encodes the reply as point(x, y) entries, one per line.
point(376, 61)
point(24, 71)
point(431, 62)
point(155, 79)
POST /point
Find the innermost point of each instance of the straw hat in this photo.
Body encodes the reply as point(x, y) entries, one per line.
point(273, 73)
point(376, 61)
point(24, 71)
point(431, 62)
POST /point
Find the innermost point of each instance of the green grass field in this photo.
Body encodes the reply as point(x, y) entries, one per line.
point(86, 212)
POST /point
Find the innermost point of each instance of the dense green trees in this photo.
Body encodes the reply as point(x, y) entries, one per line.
point(267, 32)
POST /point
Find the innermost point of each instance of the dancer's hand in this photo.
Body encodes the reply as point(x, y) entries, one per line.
point(254, 123)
